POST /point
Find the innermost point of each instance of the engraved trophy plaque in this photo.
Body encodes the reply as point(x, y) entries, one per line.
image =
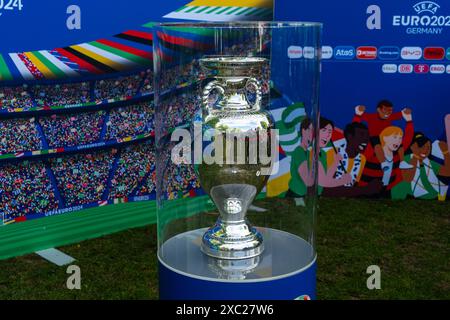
point(241, 130)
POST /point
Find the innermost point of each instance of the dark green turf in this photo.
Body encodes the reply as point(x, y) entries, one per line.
point(408, 240)
point(24, 237)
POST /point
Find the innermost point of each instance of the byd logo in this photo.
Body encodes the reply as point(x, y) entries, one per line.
point(366, 53)
point(411, 53)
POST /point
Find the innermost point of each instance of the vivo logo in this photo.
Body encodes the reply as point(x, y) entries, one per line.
point(426, 6)
point(295, 52)
point(405, 68)
point(389, 68)
point(411, 53)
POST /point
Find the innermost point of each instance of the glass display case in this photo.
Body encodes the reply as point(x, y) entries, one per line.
point(237, 158)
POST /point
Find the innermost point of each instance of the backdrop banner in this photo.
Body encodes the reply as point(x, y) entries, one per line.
point(76, 114)
point(384, 96)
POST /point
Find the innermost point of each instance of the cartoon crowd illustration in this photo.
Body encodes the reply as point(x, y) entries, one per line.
point(371, 157)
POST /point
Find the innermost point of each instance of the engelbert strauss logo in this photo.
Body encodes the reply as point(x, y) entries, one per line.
point(425, 21)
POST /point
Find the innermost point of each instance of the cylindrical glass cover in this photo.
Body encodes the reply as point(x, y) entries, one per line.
point(236, 152)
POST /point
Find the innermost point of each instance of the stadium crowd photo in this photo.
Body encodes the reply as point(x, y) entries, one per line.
point(99, 148)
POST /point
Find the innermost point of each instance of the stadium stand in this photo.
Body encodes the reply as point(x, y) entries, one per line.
point(67, 130)
point(25, 189)
point(61, 94)
point(130, 120)
point(18, 135)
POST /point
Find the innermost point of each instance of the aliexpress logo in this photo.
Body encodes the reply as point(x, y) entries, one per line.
point(366, 53)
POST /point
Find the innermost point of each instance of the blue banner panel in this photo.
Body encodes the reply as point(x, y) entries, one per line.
point(385, 74)
point(29, 25)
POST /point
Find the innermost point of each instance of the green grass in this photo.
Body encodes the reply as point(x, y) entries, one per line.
point(408, 240)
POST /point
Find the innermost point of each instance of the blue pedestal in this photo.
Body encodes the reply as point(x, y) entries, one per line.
point(285, 271)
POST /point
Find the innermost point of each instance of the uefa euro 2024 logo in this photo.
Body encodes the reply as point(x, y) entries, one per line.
point(426, 6)
point(425, 19)
point(10, 5)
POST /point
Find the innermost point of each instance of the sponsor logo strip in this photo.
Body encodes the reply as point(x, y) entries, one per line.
point(432, 53)
point(421, 68)
point(411, 53)
point(327, 52)
point(405, 68)
point(389, 68)
point(344, 53)
point(295, 52)
point(366, 53)
point(437, 69)
point(388, 53)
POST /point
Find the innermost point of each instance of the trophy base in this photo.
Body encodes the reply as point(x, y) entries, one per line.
point(232, 241)
point(285, 270)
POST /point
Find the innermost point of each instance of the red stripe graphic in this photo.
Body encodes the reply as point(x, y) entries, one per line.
point(183, 41)
point(139, 34)
point(81, 62)
point(119, 46)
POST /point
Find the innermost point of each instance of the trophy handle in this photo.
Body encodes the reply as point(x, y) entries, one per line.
point(207, 91)
point(255, 83)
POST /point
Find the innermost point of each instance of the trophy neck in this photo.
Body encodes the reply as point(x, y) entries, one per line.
point(235, 97)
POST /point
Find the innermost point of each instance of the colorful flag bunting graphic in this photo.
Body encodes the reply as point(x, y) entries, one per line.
point(224, 10)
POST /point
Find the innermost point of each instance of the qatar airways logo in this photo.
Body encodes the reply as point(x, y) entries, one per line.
point(425, 19)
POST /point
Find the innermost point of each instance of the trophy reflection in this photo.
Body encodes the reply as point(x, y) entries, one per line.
point(233, 269)
point(240, 131)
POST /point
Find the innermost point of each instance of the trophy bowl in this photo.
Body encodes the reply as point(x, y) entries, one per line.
point(241, 130)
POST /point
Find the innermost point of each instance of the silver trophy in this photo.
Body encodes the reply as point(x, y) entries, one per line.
point(241, 130)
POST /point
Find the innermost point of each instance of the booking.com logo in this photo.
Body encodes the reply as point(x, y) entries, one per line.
point(227, 148)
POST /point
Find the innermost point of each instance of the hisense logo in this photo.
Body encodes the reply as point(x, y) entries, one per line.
point(426, 6)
